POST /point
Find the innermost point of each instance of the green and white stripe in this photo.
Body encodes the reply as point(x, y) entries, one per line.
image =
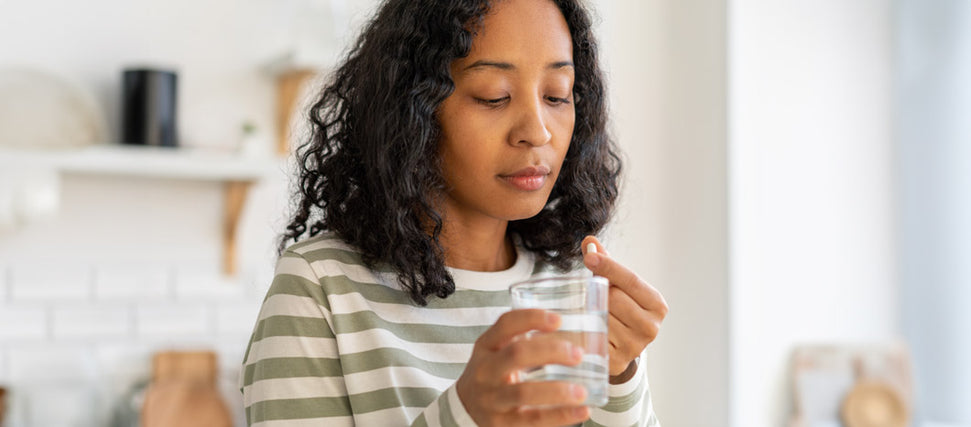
point(341, 344)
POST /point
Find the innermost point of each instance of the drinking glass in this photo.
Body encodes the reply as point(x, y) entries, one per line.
point(581, 301)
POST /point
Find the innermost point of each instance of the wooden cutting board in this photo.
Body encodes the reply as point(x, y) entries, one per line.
point(3, 404)
point(183, 392)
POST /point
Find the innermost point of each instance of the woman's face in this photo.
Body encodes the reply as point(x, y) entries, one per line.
point(507, 126)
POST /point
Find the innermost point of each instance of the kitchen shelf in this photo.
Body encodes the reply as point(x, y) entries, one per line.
point(235, 172)
point(151, 162)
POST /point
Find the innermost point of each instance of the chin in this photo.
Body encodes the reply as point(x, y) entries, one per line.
point(525, 212)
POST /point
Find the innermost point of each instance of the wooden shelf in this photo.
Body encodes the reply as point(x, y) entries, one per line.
point(237, 173)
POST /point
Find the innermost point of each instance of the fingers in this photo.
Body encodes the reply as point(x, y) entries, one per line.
point(549, 403)
point(517, 322)
point(514, 353)
point(560, 416)
point(622, 277)
point(541, 393)
point(493, 398)
point(537, 350)
point(636, 322)
point(636, 308)
point(620, 351)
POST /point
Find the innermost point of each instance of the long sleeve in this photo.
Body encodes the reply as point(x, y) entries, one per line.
point(320, 353)
point(339, 343)
point(628, 404)
point(292, 369)
point(447, 410)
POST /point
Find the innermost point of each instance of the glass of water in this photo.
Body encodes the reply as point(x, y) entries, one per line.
point(581, 301)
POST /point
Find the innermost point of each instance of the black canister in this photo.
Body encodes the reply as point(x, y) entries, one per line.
point(149, 107)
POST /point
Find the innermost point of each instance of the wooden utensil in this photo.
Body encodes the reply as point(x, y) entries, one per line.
point(874, 404)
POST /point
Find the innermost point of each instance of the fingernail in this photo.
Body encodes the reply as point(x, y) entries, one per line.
point(580, 412)
point(591, 248)
point(579, 392)
point(552, 318)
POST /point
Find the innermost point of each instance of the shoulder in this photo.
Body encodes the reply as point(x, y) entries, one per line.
point(327, 254)
point(328, 259)
point(323, 246)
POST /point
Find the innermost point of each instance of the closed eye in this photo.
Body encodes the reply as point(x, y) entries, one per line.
point(555, 100)
point(492, 102)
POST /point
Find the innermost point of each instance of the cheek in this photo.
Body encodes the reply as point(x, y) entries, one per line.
point(568, 121)
point(463, 156)
point(456, 123)
point(564, 134)
point(469, 139)
point(564, 120)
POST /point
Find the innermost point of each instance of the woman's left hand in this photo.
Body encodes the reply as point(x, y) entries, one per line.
point(636, 310)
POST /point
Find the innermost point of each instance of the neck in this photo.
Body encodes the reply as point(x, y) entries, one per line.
point(481, 246)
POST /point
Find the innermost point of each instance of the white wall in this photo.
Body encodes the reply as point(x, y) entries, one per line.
point(811, 196)
point(780, 111)
point(666, 66)
point(934, 143)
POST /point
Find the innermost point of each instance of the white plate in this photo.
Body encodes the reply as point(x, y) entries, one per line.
point(39, 110)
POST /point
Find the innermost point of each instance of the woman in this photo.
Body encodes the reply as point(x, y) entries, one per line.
point(460, 147)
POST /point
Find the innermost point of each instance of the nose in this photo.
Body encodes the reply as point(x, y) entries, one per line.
point(530, 127)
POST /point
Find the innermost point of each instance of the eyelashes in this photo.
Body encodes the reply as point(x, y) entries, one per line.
point(498, 102)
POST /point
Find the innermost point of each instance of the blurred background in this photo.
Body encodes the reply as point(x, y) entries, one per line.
point(797, 185)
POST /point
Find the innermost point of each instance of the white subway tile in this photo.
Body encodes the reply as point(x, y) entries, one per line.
point(173, 321)
point(258, 281)
point(124, 365)
point(91, 322)
point(61, 404)
point(132, 282)
point(4, 372)
point(194, 282)
point(237, 320)
point(4, 283)
point(16, 406)
point(230, 362)
point(32, 364)
point(23, 322)
point(234, 401)
point(230, 353)
point(50, 281)
point(124, 358)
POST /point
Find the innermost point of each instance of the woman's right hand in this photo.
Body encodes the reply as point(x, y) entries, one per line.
point(489, 389)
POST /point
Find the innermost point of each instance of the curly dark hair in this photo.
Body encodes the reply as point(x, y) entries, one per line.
point(370, 171)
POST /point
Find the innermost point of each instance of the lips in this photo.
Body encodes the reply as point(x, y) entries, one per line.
point(530, 178)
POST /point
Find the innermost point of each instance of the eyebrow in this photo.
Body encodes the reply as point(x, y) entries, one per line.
point(480, 64)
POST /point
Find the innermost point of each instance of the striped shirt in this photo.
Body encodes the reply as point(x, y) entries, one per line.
point(341, 344)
